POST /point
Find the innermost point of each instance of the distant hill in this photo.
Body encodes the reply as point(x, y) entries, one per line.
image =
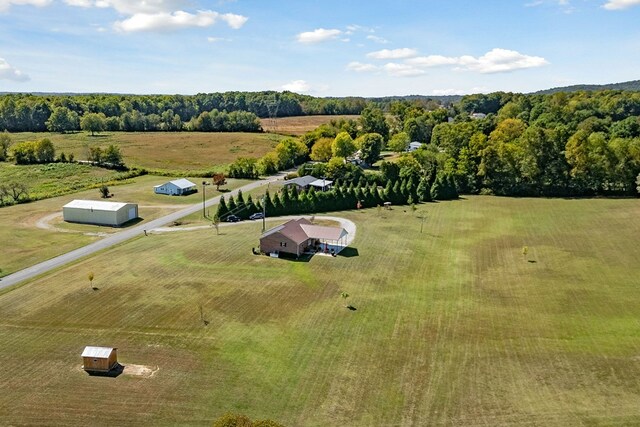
point(633, 85)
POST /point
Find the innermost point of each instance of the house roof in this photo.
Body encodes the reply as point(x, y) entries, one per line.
point(96, 205)
point(320, 183)
point(301, 229)
point(302, 181)
point(323, 232)
point(182, 183)
point(97, 352)
point(291, 229)
point(415, 144)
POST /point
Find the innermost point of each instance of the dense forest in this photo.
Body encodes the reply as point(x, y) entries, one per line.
point(233, 111)
point(564, 144)
point(560, 144)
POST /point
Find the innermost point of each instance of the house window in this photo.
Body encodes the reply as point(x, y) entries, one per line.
point(283, 244)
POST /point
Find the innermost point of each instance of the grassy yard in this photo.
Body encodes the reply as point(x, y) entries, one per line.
point(167, 151)
point(454, 326)
point(35, 232)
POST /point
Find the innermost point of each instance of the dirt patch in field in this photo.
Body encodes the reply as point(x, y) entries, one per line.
point(140, 370)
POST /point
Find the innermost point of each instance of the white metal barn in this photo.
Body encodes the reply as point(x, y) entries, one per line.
point(99, 212)
point(177, 187)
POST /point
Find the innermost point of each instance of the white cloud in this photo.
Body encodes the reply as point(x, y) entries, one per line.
point(393, 53)
point(129, 7)
point(318, 35)
point(217, 39)
point(177, 20)
point(6, 4)
point(377, 39)
point(620, 4)
point(7, 72)
point(360, 67)
point(443, 92)
point(432, 61)
point(298, 86)
point(500, 60)
point(402, 70)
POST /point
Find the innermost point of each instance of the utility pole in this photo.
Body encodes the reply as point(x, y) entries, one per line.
point(204, 213)
point(264, 211)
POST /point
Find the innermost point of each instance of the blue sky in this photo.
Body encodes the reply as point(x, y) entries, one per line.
point(321, 48)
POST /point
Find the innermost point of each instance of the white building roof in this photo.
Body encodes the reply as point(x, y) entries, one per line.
point(302, 181)
point(321, 183)
point(96, 205)
point(97, 352)
point(183, 183)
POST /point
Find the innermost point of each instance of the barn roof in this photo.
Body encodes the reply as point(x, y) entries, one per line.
point(97, 352)
point(302, 181)
point(96, 205)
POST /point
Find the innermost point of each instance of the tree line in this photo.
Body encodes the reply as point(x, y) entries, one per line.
point(59, 113)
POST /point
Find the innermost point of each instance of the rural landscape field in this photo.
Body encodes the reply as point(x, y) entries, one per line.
point(313, 214)
point(454, 325)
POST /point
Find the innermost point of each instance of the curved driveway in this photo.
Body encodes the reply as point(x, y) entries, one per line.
point(114, 239)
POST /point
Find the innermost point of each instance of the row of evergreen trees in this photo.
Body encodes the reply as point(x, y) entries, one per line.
point(290, 201)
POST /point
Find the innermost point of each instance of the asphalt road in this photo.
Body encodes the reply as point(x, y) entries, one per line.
point(124, 235)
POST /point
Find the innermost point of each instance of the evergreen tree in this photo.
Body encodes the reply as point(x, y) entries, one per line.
point(251, 207)
point(241, 207)
point(397, 194)
point(423, 191)
point(222, 209)
point(388, 192)
point(269, 207)
point(231, 204)
point(312, 199)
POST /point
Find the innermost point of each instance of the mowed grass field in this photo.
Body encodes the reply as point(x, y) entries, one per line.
point(34, 232)
point(454, 325)
point(300, 124)
point(171, 151)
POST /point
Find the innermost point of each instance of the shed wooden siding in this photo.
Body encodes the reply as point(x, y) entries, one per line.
point(273, 243)
point(100, 364)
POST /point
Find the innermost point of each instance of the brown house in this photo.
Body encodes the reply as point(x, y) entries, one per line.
point(298, 236)
point(99, 359)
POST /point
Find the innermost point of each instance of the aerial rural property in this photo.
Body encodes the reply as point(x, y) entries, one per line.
point(294, 214)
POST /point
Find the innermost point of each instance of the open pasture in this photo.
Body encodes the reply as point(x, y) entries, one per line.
point(454, 325)
point(167, 151)
point(299, 125)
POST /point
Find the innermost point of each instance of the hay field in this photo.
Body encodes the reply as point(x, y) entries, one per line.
point(167, 151)
point(299, 125)
point(454, 326)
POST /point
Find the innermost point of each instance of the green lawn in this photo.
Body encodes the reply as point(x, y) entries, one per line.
point(454, 326)
point(26, 242)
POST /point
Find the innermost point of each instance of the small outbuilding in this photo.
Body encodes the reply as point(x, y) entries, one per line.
point(413, 146)
point(99, 212)
point(99, 359)
point(177, 187)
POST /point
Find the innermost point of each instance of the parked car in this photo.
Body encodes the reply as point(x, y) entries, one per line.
point(257, 215)
point(232, 218)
